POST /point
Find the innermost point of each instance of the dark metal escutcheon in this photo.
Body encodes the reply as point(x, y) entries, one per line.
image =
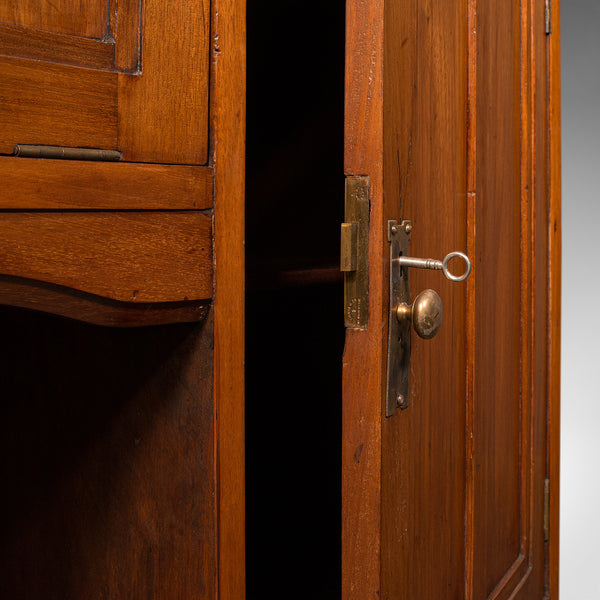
point(398, 356)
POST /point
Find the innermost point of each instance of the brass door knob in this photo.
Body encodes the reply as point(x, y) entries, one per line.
point(425, 313)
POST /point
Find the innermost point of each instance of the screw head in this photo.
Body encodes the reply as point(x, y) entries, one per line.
point(394, 229)
point(408, 227)
point(400, 400)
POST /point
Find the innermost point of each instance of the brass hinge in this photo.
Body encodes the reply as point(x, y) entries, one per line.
point(65, 152)
point(548, 16)
point(354, 253)
point(546, 509)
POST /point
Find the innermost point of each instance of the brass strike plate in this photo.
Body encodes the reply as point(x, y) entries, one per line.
point(354, 260)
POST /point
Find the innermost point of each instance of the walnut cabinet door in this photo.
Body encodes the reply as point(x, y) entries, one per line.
point(452, 116)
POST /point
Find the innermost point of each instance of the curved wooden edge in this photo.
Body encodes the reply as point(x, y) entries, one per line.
point(72, 304)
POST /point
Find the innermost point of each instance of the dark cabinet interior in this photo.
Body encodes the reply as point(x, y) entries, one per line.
point(106, 460)
point(294, 318)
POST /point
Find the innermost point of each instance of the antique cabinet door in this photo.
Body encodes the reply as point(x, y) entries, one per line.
point(452, 114)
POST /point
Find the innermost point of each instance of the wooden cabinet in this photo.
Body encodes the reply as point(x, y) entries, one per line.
point(201, 424)
point(123, 439)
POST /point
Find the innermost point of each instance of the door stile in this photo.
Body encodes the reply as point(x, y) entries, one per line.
point(471, 291)
point(228, 129)
point(364, 353)
point(520, 570)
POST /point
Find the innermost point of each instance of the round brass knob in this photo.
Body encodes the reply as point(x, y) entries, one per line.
point(425, 313)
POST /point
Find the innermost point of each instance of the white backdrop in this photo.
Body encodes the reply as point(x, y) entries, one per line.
point(580, 468)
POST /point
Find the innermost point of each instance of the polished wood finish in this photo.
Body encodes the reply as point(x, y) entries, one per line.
point(126, 23)
point(495, 483)
point(172, 88)
point(450, 122)
point(364, 354)
point(152, 112)
point(45, 103)
point(116, 99)
point(83, 18)
point(107, 459)
point(425, 180)
point(101, 37)
point(70, 303)
point(134, 438)
point(505, 509)
point(21, 42)
point(125, 256)
point(41, 184)
point(228, 127)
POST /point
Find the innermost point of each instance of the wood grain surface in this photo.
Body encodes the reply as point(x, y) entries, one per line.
point(363, 384)
point(83, 18)
point(58, 105)
point(499, 483)
point(22, 42)
point(72, 304)
point(155, 110)
point(126, 25)
point(228, 128)
point(67, 184)
point(107, 457)
point(172, 88)
point(126, 256)
point(445, 498)
point(425, 180)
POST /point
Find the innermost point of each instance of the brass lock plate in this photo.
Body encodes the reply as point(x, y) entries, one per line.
point(398, 354)
point(354, 259)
